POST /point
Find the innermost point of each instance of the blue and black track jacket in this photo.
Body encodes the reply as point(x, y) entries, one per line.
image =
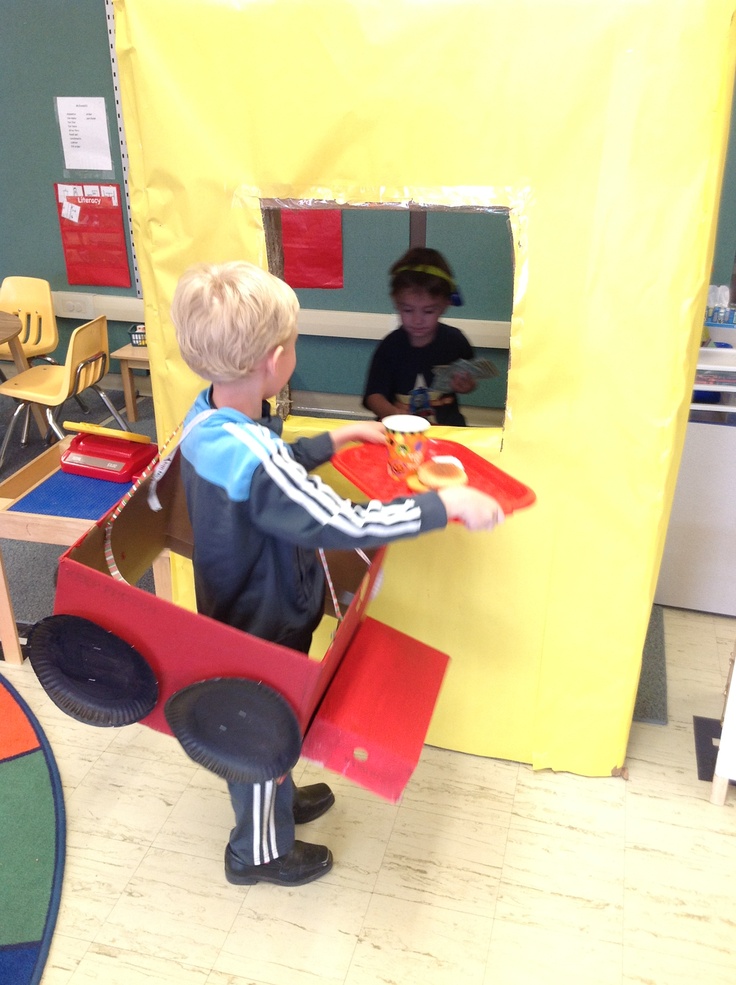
point(258, 518)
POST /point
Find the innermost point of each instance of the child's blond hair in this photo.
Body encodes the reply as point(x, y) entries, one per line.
point(228, 316)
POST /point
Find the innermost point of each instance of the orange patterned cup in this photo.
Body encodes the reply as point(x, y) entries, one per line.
point(407, 443)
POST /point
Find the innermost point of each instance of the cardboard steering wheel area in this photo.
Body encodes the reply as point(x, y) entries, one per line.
point(602, 128)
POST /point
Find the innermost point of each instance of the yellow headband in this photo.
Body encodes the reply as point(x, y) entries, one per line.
point(426, 269)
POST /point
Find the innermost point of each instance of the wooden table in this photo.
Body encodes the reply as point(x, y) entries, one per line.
point(43, 529)
point(131, 357)
point(10, 329)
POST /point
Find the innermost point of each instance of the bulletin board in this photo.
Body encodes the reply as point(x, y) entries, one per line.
point(610, 170)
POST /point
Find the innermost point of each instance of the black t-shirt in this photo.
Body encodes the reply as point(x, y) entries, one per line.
point(397, 368)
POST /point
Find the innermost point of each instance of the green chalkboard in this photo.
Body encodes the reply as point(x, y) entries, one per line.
point(48, 48)
point(725, 249)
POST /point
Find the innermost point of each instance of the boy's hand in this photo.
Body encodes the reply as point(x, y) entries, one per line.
point(473, 508)
point(372, 432)
point(462, 382)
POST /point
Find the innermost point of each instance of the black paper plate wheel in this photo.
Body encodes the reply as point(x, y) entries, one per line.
point(240, 729)
point(91, 674)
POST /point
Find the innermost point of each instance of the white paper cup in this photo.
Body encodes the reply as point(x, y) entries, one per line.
point(407, 443)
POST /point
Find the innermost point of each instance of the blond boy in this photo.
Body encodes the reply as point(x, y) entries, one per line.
point(259, 516)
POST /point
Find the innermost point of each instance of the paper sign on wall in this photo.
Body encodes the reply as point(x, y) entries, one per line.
point(312, 245)
point(85, 139)
point(92, 234)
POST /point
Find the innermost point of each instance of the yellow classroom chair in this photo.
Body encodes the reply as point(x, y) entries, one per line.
point(50, 385)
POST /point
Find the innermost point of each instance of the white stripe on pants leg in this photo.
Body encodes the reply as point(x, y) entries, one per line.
point(265, 848)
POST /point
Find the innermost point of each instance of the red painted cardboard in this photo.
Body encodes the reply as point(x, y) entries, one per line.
point(385, 683)
point(373, 718)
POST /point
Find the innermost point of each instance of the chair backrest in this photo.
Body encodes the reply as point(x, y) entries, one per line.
point(88, 355)
point(30, 299)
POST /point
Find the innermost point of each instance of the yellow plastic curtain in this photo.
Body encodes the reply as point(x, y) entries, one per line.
point(602, 126)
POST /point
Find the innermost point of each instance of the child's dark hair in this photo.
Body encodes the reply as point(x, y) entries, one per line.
point(424, 269)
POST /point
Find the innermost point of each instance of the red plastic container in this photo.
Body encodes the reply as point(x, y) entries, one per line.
point(100, 457)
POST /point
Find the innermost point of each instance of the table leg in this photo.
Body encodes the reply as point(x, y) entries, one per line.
point(8, 629)
point(719, 790)
point(126, 374)
point(725, 769)
point(162, 576)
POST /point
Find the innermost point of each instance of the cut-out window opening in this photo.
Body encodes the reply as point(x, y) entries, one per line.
point(340, 328)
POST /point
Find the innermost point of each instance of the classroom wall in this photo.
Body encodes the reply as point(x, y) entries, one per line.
point(49, 48)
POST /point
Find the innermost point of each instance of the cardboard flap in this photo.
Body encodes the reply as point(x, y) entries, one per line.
point(139, 534)
point(371, 724)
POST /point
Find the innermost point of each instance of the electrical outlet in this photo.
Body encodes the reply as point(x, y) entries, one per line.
point(75, 305)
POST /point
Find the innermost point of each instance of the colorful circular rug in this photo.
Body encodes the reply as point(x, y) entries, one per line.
point(32, 841)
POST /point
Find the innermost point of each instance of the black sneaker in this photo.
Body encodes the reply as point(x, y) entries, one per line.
point(312, 802)
point(303, 864)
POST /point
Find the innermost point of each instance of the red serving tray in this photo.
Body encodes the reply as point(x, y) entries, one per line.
point(365, 465)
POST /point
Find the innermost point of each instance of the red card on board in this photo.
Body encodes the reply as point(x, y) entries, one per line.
point(312, 245)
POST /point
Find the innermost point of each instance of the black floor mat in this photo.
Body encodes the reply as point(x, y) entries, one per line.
point(707, 732)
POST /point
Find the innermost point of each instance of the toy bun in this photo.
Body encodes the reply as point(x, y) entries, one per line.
point(439, 473)
point(415, 485)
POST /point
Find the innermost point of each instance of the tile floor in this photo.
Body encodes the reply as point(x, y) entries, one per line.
point(486, 874)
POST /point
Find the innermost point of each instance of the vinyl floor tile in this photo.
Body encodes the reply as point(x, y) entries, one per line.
point(408, 941)
point(643, 966)
point(446, 862)
point(469, 787)
point(295, 936)
point(177, 907)
point(117, 966)
point(524, 955)
point(94, 880)
point(679, 904)
point(65, 955)
point(199, 823)
point(126, 797)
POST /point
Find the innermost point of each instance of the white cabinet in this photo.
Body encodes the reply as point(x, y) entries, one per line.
point(716, 373)
point(699, 563)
